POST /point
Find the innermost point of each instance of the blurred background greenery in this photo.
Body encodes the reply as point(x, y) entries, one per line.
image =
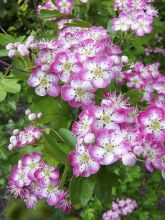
point(18, 18)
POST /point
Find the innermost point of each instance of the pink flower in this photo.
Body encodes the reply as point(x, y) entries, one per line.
point(97, 70)
point(152, 123)
point(78, 93)
point(64, 6)
point(44, 83)
point(83, 164)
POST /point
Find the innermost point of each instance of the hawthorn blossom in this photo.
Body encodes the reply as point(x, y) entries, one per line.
point(78, 93)
point(152, 123)
point(44, 83)
point(64, 6)
point(82, 162)
point(120, 208)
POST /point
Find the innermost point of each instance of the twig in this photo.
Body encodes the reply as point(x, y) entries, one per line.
point(10, 66)
point(3, 30)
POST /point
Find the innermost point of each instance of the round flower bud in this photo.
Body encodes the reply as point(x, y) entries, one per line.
point(10, 147)
point(39, 115)
point(129, 159)
point(138, 150)
point(27, 112)
point(10, 46)
point(13, 139)
point(22, 49)
point(84, 1)
point(33, 46)
point(89, 138)
point(29, 41)
point(124, 59)
point(15, 132)
point(115, 59)
point(11, 53)
point(32, 116)
point(38, 135)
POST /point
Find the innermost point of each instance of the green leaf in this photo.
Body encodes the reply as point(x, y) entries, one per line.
point(53, 148)
point(6, 39)
point(45, 14)
point(80, 23)
point(2, 95)
point(3, 53)
point(106, 180)
point(81, 190)
point(68, 137)
point(135, 96)
point(10, 85)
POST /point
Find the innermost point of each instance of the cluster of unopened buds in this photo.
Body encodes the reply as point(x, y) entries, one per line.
point(32, 180)
point(121, 207)
point(147, 79)
point(20, 48)
point(33, 116)
point(115, 131)
point(136, 15)
point(84, 60)
point(29, 135)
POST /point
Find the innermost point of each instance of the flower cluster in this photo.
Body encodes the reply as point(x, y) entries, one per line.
point(145, 78)
point(136, 15)
point(32, 179)
point(20, 48)
point(150, 50)
point(29, 135)
point(84, 60)
point(63, 6)
point(105, 134)
point(122, 207)
point(116, 131)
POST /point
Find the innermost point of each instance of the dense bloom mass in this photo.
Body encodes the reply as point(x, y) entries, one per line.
point(116, 131)
point(84, 60)
point(121, 207)
point(32, 179)
point(136, 15)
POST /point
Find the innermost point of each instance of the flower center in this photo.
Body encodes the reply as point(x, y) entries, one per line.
point(98, 72)
point(106, 118)
point(85, 158)
point(155, 125)
point(80, 92)
point(47, 172)
point(50, 188)
point(67, 66)
point(108, 147)
point(32, 165)
point(44, 82)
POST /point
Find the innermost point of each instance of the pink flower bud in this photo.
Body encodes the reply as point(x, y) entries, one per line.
point(129, 159)
point(15, 132)
point(38, 136)
point(32, 116)
point(115, 59)
point(10, 146)
point(138, 150)
point(10, 46)
point(22, 49)
point(12, 139)
point(27, 112)
point(39, 115)
point(11, 53)
point(124, 59)
point(89, 138)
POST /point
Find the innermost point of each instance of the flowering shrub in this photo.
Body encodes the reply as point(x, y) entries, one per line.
point(94, 114)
